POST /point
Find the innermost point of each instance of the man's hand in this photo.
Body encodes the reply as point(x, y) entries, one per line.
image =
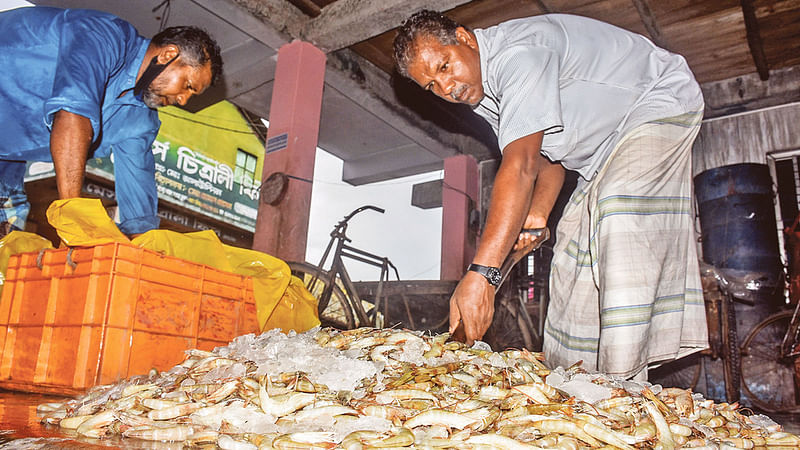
point(533, 221)
point(70, 139)
point(472, 304)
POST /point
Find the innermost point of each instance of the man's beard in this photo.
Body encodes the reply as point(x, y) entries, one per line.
point(151, 98)
point(145, 90)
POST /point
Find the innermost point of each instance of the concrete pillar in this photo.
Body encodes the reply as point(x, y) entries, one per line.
point(282, 227)
point(459, 197)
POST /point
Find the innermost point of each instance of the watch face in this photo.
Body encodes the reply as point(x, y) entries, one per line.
point(494, 276)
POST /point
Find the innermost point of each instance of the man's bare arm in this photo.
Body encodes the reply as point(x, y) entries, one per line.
point(549, 180)
point(512, 195)
point(473, 300)
point(70, 139)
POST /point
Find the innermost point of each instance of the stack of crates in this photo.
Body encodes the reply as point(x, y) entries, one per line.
point(74, 318)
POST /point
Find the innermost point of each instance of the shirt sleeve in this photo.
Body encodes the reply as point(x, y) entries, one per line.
point(91, 50)
point(134, 175)
point(527, 78)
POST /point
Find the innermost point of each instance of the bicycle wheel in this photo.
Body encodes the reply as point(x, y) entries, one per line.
point(683, 373)
point(510, 328)
point(769, 378)
point(730, 351)
point(336, 311)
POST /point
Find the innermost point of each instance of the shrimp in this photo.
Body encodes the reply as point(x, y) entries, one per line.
point(396, 437)
point(133, 420)
point(440, 417)
point(49, 407)
point(644, 430)
point(396, 415)
point(490, 393)
point(680, 429)
point(664, 433)
point(387, 397)
point(682, 399)
point(285, 404)
point(782, 439)
point(157, 403)
point(715, 422)
point(566, 427)
point(498, 441)
point(311, 440)
point(137, 389)
point(614, 402)
point(738, 442)
point(183, 409)
point(602, 433)
point(96, 426)
point(533, 392)
point(330, 410)
point(484, 417)
point(173, 433)
point(437, 346)
point(222, 392)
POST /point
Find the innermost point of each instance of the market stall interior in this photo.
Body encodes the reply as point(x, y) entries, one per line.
point(743, 53)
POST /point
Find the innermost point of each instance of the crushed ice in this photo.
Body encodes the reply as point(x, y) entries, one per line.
point(275, 352)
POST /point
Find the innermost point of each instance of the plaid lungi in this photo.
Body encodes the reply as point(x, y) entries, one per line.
point(625, 286)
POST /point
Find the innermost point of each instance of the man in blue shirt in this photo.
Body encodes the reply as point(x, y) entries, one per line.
point(76, 84)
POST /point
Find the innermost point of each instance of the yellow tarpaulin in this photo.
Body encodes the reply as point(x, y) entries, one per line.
point(281, 299)
point(19, 242)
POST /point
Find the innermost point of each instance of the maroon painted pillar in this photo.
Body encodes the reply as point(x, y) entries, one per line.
point(282, 227)
point(458, 244)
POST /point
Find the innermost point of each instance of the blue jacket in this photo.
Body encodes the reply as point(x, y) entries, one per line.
point(79, 61)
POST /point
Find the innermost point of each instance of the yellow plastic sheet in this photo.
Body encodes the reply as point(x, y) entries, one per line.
point(18, 242)
point(281, 299)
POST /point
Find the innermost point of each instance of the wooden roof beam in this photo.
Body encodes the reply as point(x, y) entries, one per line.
point(307, 6)
point(346, 22)
point(754, 39)
point(650, 24)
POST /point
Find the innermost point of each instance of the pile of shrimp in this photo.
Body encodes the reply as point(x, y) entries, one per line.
point(426, 393)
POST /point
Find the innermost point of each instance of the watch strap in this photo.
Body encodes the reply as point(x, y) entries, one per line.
point(492, 274)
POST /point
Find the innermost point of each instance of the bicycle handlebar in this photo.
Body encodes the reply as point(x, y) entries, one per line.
point(363, 208)
point(341, 227)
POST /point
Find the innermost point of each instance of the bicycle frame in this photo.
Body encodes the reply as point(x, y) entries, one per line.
point(790, 344)
point(338, 268)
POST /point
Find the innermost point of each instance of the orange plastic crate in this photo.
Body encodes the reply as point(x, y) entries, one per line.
point(119, 311)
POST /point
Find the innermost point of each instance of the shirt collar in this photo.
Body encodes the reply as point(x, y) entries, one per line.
point(483, 53)
point(132, 71)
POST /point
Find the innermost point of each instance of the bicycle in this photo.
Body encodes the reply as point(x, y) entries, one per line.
point(723, 338)
point(770, 363)
point(339, 305)
point(721, 291)
point(720, 295)
point(771, 351)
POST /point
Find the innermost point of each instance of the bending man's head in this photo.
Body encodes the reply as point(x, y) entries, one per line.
point(441, 55)
point(184, 61)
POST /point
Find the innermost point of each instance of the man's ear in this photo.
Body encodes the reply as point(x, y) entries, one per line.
point(167, 53)
point(466, 37)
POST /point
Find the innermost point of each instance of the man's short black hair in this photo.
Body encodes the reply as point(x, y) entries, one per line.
point(421, 24)
point(196, 47)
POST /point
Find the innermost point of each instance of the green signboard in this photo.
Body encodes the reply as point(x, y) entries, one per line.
point(195, 162)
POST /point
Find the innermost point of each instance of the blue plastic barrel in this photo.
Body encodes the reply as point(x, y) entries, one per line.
point(737, 218)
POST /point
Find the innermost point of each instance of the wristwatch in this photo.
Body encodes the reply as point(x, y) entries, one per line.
point(492, 274)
